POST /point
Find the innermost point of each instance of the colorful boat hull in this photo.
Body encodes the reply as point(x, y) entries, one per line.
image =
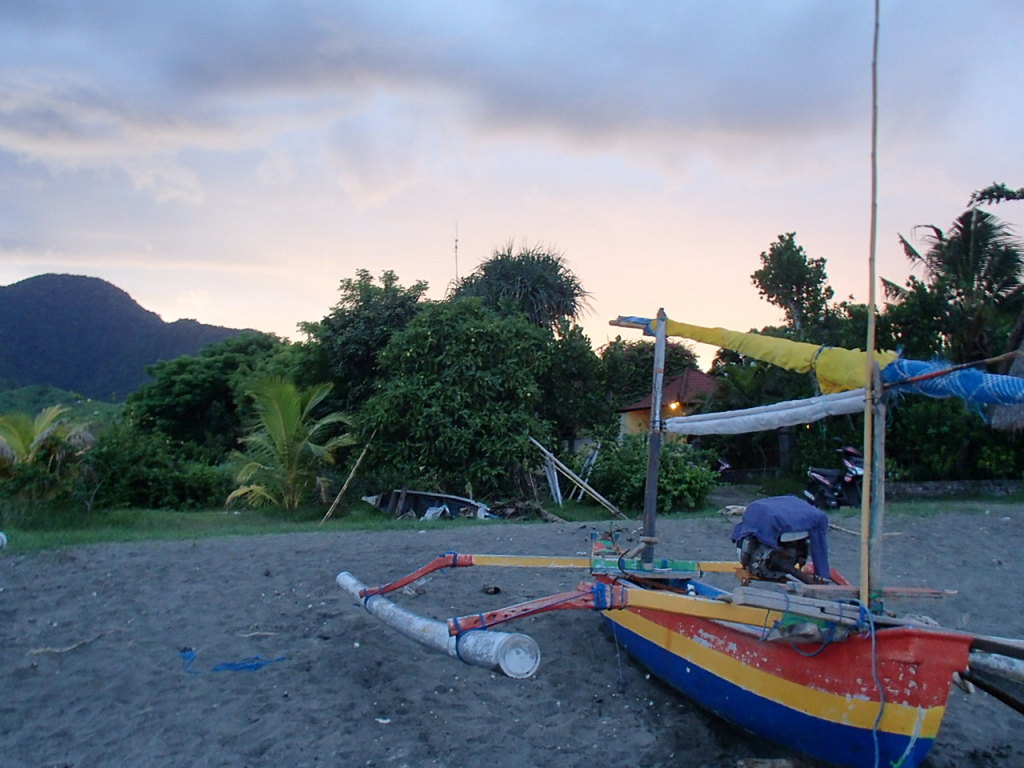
point(866, 701)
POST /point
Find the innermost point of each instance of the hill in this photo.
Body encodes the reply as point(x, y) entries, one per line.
point(84, 335)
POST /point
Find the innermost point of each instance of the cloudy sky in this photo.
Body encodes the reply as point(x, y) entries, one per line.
point(232, 161)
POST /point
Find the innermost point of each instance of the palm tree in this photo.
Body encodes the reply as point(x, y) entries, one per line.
point(283, 453)
point(974, 271)
point(40, 454)
point(532, 281)
point(23, 439)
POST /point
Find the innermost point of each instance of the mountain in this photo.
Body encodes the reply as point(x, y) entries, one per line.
point(87, 336)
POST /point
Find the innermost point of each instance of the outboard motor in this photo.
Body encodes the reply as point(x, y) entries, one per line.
point(775, 537)
point(776, 563)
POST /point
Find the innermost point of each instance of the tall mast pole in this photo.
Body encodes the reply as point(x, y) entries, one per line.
point(872, 500)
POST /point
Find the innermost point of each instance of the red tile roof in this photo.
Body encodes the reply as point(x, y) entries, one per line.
point(687, 388)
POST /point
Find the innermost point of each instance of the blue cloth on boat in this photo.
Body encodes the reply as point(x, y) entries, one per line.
point(768, 518)
point(972, 385)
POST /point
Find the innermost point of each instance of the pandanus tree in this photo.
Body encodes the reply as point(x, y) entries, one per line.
point(531, 281)
point(289, 444)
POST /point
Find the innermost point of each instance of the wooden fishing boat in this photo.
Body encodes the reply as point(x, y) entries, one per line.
point(799, 667)
point(823, 669)
point(820, 668)
point(876, 697)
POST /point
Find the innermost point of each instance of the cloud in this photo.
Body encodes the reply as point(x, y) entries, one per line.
point(116, 77)
point(315, 136)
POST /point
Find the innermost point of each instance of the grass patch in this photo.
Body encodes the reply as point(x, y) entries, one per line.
point(64, 530)
point(154, 525)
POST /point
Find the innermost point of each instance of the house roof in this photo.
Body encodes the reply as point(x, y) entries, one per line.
point(689, 387)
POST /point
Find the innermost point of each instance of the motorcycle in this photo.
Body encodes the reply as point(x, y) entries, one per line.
point(833, 488)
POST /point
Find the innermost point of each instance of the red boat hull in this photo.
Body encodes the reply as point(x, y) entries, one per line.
point(869, 700)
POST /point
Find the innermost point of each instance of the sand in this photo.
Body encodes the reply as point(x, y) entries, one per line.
point(92, 671)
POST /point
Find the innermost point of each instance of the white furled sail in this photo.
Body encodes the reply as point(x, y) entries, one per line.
point(764, 417)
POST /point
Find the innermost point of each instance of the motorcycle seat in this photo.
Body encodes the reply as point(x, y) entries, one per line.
point(832, 475)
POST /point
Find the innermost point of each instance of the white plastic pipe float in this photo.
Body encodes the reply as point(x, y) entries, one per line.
point(513, 654)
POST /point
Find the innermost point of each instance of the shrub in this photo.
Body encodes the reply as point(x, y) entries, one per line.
point(685, 477)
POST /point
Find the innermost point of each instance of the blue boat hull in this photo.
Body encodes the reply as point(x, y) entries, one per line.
point(830, 706)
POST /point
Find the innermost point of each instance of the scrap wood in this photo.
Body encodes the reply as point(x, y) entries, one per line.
point(517, 510)
point(579, 481)
point(79, 644)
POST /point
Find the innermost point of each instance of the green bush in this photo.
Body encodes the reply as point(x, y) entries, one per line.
point(685, 477)
point(31, 496)
point(128, 468)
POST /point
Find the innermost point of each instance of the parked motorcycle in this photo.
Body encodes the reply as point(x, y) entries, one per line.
point(833, 488)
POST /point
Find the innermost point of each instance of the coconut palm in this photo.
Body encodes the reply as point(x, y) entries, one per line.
point(532, 281)
point(974, 273)
point(288, 445)
point(23, 439)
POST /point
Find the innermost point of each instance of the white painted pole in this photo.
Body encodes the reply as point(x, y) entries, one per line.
point(513, 654)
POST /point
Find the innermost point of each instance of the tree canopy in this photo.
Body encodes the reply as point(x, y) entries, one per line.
point(972, 290)
point(460, 399)
point(533, 281)
point(792, 281)
point(199, 401)
point(344, 347)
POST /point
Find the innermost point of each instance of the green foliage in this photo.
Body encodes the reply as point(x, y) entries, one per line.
point(460, 401)
point(200, 402)
point(36, 397)
point(931, 439)
point(532, 281)
point(972, 292)
point(996, 193)
point(793, 282)
point(39, 462)
point(574, 401)
point(26, 438)
point(685, 477)
point(629, 365)
point(283, 453)
point(345, 346)
point(131, 468)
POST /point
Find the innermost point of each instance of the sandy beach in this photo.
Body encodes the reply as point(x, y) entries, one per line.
point(244, 652)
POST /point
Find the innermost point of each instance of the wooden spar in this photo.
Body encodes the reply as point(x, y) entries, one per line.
point(349, 478)
point(876, 592)
point(869, 501)
point(654, 443)
point(578, 480)
point(614, 564)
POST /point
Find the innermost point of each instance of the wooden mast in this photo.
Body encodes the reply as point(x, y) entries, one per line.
point(654, 444)
point(873, 497)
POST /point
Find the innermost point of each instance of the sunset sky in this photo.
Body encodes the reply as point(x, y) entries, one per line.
point(233, 161)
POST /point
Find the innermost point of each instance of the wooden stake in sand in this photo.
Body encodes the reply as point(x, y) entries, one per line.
point(348, 479)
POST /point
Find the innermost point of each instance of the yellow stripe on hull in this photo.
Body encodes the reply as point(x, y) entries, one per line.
point(841, 709)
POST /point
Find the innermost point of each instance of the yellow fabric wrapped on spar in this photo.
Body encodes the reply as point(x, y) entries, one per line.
point(836, 369)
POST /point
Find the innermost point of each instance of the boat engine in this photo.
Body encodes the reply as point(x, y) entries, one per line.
point(777, 563)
